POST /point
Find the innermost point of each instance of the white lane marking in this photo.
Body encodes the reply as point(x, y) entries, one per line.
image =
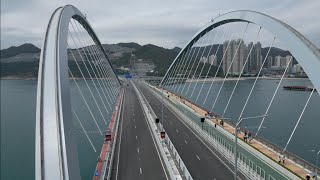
point(192, 131)
point(135, 126)
point(124, 101)
point(170, 122)
point(185, 141)
point(177, 130)
point(136, 137)
point(154, 142)
point(138, 150)
point(140, 171)
point(198, 157)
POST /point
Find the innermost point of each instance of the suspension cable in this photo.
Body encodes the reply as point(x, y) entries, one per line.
point(193, 63)
point(274, 94)
point(84, 78)
point(85, 132)
point(245, 63)
point(85, 101)
point(99, 73)
point(215, 58)
point(214, 78)
point(295, 127)
point(94, 84)
point(183, 65)
point(226, 75)
point(187, 62)
point(207, 58)
point(185, 69)
point(245, 105)
point(198, 64)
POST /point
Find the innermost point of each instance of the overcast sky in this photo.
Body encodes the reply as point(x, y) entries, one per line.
point(166, 23)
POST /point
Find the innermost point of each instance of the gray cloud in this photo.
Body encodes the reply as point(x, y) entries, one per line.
point(165, 23)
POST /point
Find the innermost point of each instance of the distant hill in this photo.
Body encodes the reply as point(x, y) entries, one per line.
point(23, 60)
point(176, 49)
point(276, 52)
point(161, 57)
point(15, 50)
point(130, 45)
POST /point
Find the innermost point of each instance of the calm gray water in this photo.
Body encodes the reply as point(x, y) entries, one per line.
point(18, 103)
point(283, 114)
point(18, 109)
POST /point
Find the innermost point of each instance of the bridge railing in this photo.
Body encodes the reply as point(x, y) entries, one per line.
point(169, 145)
point(296, 159)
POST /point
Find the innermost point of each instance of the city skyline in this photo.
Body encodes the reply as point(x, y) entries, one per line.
point(236, 58)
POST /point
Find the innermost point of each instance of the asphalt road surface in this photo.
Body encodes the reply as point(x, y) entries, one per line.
point(198, 158)
point(136, 156)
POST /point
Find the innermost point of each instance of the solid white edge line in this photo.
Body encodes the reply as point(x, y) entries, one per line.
point(154, 143)
point(198, 137)
point(124, 100)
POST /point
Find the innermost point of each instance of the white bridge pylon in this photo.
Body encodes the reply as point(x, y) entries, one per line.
point(306, 53)
point(56, 155)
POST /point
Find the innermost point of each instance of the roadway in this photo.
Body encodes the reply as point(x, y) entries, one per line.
point(136, 156)
point(199, 159)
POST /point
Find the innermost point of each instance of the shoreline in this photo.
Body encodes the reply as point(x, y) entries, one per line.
point(17, 78)
point(188, 80)
point(243, 78)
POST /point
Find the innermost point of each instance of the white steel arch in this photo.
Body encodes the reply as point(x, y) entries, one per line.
point(56, 154)
point(300, 47)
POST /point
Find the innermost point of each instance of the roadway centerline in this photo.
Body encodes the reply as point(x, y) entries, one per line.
point(198, 157)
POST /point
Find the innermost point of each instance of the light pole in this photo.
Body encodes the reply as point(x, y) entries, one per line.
point(316, 171)
point(236, 141)
point(162, 107)
point(317, 164)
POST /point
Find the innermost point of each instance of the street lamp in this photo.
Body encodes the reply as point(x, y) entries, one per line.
point(317, 164)
point(236, 141)
point(316, 171)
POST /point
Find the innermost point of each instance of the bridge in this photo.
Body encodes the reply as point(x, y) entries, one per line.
point(191, 124)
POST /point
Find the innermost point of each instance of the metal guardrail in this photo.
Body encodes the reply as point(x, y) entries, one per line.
point(244, 168)
point(107, 166)
point(178, 160)
point(296, 159)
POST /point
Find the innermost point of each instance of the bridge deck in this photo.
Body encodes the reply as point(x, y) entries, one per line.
point(136, 156)
point(201, 161)
point(267, 151)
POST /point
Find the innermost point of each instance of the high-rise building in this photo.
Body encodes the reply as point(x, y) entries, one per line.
point(241, 56)
point(227, 52)
point(234, 56)
point(204, 60)
point(288, 60)
point(269, 62)
point(258, 56)
point(297, 68)
point(255, 57)
point(277, 61)
point(250, 62)
point(213, 60)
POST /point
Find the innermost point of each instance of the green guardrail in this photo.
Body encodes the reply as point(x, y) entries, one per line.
point(255, 163)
